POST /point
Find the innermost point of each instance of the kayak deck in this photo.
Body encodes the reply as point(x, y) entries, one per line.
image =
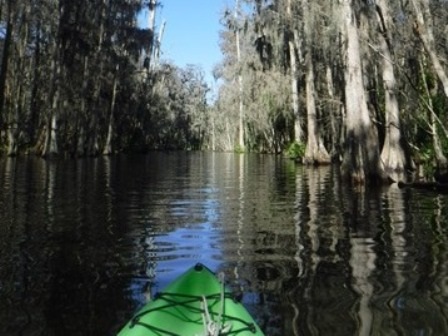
point(194, 304)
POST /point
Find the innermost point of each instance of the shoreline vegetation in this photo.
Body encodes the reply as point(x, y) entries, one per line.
point(363, 85)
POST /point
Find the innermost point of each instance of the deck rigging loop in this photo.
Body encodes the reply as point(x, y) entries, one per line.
point(215, 327)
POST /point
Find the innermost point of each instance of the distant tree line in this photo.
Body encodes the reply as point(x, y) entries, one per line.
point(82, 78)
point(361, 82)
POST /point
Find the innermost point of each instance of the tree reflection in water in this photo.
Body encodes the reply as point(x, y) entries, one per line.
point(85, 242)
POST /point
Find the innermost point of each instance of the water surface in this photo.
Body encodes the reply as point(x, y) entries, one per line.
point(86, 242)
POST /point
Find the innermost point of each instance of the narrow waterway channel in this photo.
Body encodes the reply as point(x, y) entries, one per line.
point(85, 242)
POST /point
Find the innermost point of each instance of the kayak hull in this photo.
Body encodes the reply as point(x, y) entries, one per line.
point(188, 305)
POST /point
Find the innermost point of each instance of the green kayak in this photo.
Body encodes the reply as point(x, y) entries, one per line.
point(194, 304)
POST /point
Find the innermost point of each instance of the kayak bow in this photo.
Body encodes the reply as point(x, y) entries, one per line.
point(194, 304)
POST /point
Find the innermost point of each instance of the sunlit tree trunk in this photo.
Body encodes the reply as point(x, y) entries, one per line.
point(241, 144)
point(152, 26)
point(51, 142)
point(158, 46)
point(392, 154)
point(298, 132)
point(229, 144)
point(335, 112)
point(361, 162)
point(316, 152)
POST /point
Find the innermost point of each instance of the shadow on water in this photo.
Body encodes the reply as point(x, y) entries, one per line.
point(85, 242)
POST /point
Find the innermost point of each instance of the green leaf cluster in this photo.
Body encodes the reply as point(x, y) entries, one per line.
point(295, 151)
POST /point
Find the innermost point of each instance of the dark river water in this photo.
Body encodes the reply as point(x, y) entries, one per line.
point(83, 243)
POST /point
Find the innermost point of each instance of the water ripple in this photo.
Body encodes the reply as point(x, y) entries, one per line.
point(306, 254)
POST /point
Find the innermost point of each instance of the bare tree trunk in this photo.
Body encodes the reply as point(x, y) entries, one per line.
point(335, 125)
point(51, 143)
point(12, 132)
point(18, 83)
point(423, 29)
point(316, 152)
point(82, 118)
point(298, 132)
point(91, 144)
point(108, 146)
point(93, 147)
point(230, 143)
point(158, 46)
point(241, 144)
point(152, 14)
point(213, 140)
point(392, 155)
point(35, 106)
point(361, 162)
point(152, 25)
point(16, 103)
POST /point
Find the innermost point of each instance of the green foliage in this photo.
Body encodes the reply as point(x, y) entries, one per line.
point(295, 151)
point(426, 156)
point(238, 149)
